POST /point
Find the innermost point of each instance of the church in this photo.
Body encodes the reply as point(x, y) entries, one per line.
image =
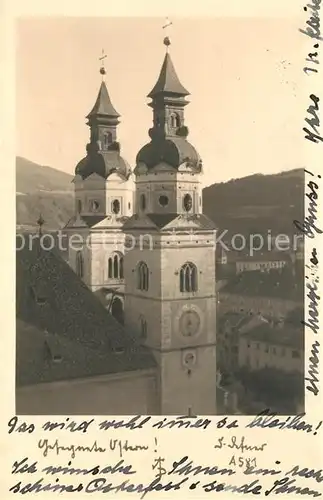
point(139, 329)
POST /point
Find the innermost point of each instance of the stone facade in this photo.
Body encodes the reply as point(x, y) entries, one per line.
point(120, 394)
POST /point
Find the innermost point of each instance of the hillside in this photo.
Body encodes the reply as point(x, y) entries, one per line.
point(42, 190)
point(31, 178)
point(257, 203)
point(253, 204)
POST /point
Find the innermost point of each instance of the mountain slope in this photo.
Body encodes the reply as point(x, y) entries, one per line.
point(254, 204)
point(257, 203)
point(42, 190)
point(31, 178)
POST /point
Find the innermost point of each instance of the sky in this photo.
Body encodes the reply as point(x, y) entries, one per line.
point(244, 76)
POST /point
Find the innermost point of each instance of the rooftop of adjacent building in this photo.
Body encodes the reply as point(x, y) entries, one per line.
point(268, 256)
point(57, 314)
point(280, 284)
point(277, 333)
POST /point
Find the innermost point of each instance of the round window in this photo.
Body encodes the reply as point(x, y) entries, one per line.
point(187, 202)
point(189, 359)
point(142, 202)
point(116, 206)
point(163, 200)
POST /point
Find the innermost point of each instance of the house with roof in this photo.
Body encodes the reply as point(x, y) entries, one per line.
point(274, 293)
point(261, 261)
point(229, 329)
point(272, 345)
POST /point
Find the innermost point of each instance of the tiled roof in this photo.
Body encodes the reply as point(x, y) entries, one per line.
point(240, 322)
point(264, 257)
point(172, 150)
point(50, 297)
point(168, 81)
point(277, 335)
point(103, 163)
point(161, 221)
point(275, 283)
point(45, 357)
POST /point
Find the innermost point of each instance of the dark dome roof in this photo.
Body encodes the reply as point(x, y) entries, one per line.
point(103, 163)
point(174, 151)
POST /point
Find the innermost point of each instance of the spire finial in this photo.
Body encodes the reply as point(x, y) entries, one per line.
point(166, 26)
point(102, 68)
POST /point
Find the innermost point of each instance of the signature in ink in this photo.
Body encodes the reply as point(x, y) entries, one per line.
point(237, 444)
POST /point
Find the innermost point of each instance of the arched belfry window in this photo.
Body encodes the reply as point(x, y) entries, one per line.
point(107, 139)
point(142, 276)
point(79, 264)
point(143, 202)
point(116, 206)
point(175, 120)
point(115, 266)
point(188, 278)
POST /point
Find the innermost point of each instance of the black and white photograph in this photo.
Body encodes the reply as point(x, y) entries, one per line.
point(159, 216)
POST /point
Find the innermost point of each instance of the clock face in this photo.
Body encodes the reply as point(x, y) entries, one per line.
point(189, 323)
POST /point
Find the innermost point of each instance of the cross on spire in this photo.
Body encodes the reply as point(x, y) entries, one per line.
point(102, 58)
point(166, 26)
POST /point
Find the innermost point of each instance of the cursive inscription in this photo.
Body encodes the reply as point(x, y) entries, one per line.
point(309, 226)
point(238, 444)
point(313, 28)
point(68, 425)
point(267, 419)
point(313, 370)
point(312, 131)
point(46, 446)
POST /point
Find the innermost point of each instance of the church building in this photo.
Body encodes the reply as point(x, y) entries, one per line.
point(170, 299)
point(157, 355)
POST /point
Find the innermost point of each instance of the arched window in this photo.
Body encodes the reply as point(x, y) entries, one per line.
point(187, 202)
point(121, 268)
point(143, 327)
point(115, 266)
point(79, 206)
point(174, 120)
point(142, 202)
point(142, 276)
point(107, 139)
point(79, 264)
point(116, 206)
point(188, 278)
point(117, 310)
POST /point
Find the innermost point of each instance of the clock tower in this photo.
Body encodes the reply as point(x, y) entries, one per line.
point(170, 298)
